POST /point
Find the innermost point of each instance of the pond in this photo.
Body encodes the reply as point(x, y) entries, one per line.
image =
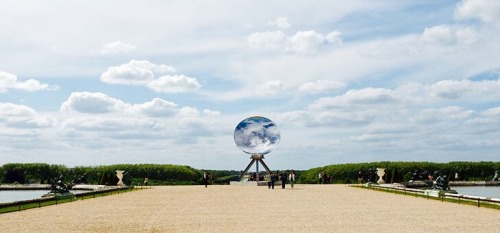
point(482, 191)
point(22, 195)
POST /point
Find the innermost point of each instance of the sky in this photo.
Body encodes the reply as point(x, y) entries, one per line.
point(86, 83)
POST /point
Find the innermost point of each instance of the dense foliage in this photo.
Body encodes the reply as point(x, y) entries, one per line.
point(166, 174)
point(23, 173)
point(402, 171)
point(157, 174)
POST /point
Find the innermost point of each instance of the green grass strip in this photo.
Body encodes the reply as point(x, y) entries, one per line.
point(47, 202)
point(480, 203)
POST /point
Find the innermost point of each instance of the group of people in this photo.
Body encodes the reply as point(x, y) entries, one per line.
point(272, 177)
point(253, 176)
point(324, 178)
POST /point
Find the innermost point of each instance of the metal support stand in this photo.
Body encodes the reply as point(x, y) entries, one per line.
point(255, 158)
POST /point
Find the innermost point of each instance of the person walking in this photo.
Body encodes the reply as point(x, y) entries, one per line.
point(205, 179)
point(360, 177)
point(320, 177)
point(283, 179)
point(273, 180)
point(291, 177)
point(267, 178)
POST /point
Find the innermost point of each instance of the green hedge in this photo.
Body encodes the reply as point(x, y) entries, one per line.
point(157, 173)
point(402, 171)
point(166, 174)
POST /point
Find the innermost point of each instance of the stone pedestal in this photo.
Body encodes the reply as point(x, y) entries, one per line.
point(380, 173)
point(119, 174)
point(251, 183)
point(433, 193)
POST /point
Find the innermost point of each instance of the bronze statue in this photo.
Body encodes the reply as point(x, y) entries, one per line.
point(58, 186)
point(416, 176)
point(441, 183)
point(372, 177)
point(80, 180)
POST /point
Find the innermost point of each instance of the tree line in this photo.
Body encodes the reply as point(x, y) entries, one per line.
point(167, 174)
point(403, 171)
point(157, 174)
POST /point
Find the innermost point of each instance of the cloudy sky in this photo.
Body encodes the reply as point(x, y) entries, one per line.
point(107, 82)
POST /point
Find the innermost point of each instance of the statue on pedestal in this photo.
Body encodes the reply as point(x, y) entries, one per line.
point(126, 178)
point(58, 186)
point(119, 175)
point(372, 177)
point(441, 183)
point(415, 176)
point(59, 189)
point(80, 180)
point(381, 173)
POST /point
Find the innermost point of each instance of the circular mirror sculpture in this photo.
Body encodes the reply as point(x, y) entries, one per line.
point(256, 135)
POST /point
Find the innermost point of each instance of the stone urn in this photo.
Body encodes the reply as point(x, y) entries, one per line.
point(380, 173)
point(119, 174)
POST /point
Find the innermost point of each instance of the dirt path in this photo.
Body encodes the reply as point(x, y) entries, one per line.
point(307, 208)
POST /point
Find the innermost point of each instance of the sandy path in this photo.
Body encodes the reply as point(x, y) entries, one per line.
point(307, 208)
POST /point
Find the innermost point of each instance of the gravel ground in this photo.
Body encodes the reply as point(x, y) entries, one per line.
point(307, 208)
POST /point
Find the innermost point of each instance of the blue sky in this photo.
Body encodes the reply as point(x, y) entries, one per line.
point(89, 83)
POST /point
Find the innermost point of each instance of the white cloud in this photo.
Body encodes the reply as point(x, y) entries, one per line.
point(342, 119)
point(10, 81)
point(305, 41)
point(280, 23)
point(270, 88)
point(365, 96)
point(493, 112)
point(23, 117)
point(189, 112)
point(309, 41)
point(301, 42)
point(413, 94)
point(157, 119)
point(136, 72)
point(208, 112)
point(267, 40)
point(157, 108)
point(117, 47)
point(453, 89)
point(174, 84)
point(415, 110)
point(484, 10)
point(321, 86)
point(446, 34)
point(9, 109)
point(87, 102)
point(145, 73)
point(432, 116)
point(108, 125)
point(334, 37)
point(485, 122)
point(442, 34)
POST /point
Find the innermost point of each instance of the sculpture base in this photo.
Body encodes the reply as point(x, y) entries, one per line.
point(369, 184)
point(418, 183)
point(437, 192)
point(433, 193)
point(252, 183)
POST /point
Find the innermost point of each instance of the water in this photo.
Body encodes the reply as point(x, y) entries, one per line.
point(482, 191)
point(22, 195)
